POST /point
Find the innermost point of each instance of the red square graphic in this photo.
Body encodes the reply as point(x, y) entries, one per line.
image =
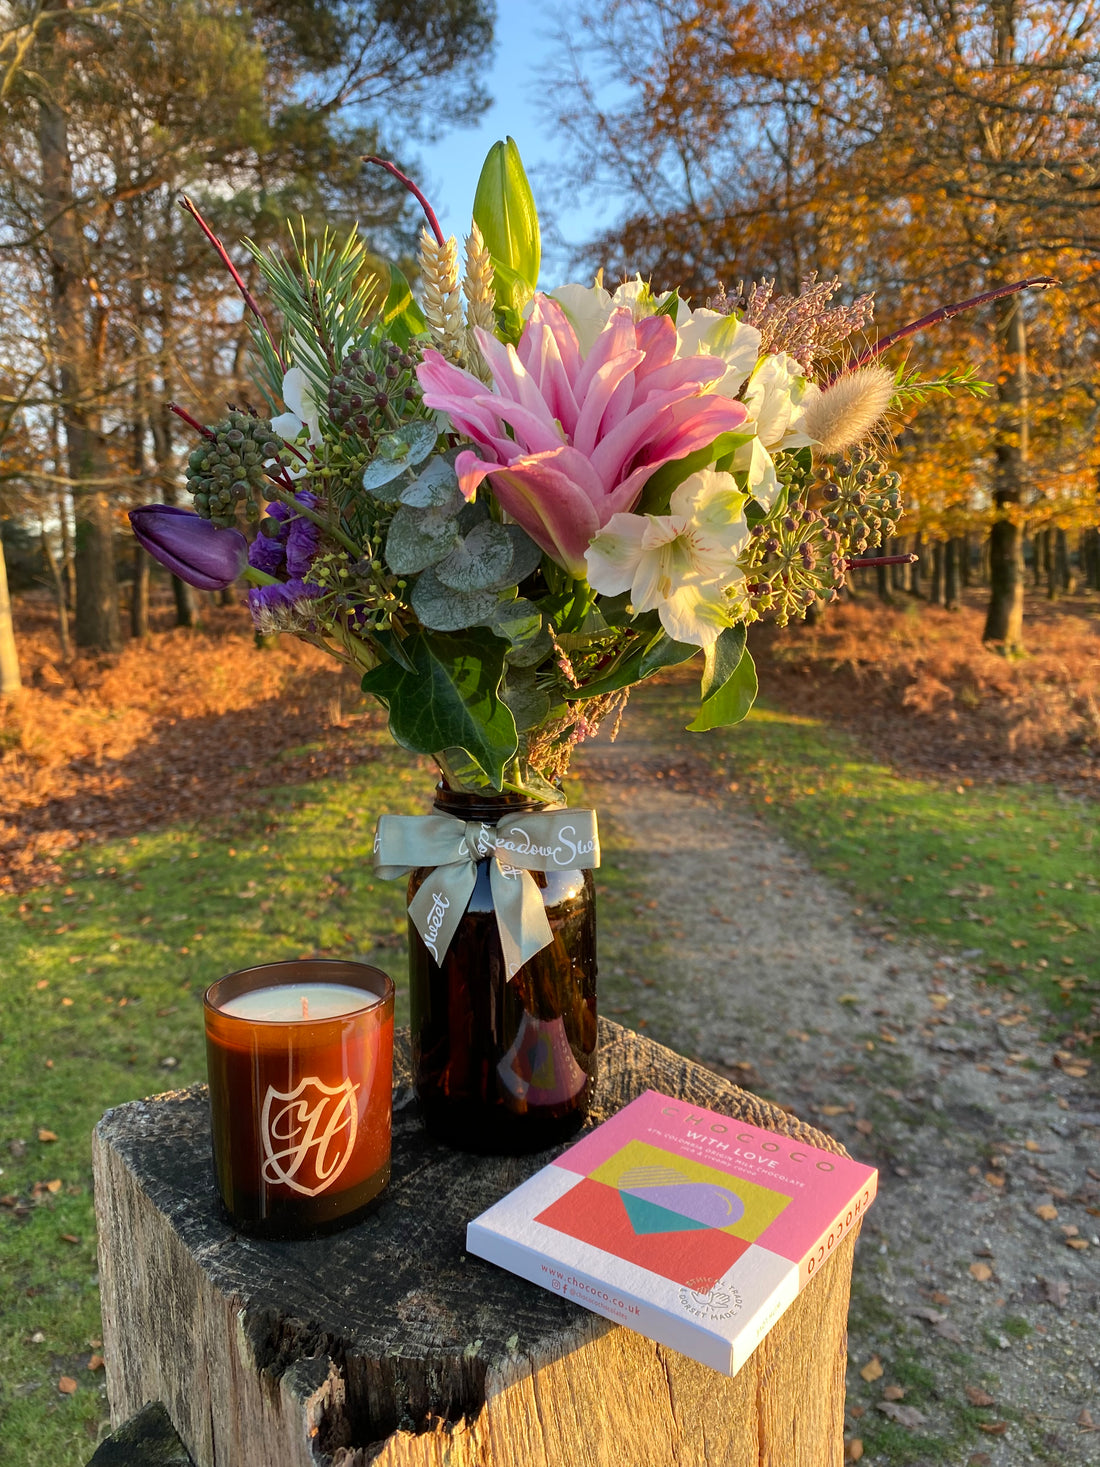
point(594, 1213)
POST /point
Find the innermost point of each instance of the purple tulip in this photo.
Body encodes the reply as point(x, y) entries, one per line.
point(191, 547)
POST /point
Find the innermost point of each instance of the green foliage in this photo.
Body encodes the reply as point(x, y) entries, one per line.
point(911, 387)
point(325, 294)
point(448, 698)
point(729, 683)
point(660, 486)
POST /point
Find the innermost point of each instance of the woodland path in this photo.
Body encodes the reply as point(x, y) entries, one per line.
point(720, 940)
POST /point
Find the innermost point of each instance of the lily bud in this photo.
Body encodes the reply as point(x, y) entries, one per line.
point(504, 211)
point(191, 547)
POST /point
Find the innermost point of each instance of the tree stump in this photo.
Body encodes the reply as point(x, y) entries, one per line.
point(389, 1344)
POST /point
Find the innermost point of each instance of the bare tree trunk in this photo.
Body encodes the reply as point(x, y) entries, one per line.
point(915, 568)
point(1063, 569)
point(964, 561)
point(60, 601)
point(1048, 565)
point(10, 681)
point(1004, 620)
point(950, 574)
point(97, 623)
point(139, 596)
point(935, 590)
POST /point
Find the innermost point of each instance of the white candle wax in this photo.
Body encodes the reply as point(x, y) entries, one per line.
point(290, 1003)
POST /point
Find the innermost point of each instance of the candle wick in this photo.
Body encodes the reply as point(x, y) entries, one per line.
point(305, 1007)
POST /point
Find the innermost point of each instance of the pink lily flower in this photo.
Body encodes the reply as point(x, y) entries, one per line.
point(570, 441)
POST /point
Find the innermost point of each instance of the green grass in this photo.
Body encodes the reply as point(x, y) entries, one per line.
point(101, 982)
point(1006, 875)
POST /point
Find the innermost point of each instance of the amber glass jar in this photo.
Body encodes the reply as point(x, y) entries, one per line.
point(505, 1066)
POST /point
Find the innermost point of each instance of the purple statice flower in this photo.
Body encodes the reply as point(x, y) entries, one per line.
point(283, 607)
point(268, 554)
point(303, 538)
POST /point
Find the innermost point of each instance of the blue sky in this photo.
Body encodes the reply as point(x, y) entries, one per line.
point(452, 166)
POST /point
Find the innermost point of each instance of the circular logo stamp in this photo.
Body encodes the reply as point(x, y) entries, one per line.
point(710, 1300)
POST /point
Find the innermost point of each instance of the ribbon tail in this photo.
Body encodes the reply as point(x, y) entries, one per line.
point(439, 905)
point(521, 915)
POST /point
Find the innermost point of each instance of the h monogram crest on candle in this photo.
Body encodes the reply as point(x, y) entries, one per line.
point(300, 1061)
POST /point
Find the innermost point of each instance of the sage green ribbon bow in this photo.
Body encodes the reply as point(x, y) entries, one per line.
point(548, 840)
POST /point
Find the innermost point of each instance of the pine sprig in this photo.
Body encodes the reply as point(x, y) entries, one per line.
point(910, 385)
point(325, 292)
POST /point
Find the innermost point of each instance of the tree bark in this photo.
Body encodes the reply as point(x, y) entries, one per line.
point(935, 590)
point(951, 574)
point(964, 561)
point(97, 621)
point(10, 681)
point(60, 601)
point(1049, 569)
point(139, 596)
point(1004, 621)
point(915, 568)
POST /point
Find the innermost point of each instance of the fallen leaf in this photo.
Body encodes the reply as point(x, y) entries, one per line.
point(1076, 1072)
point(1070, 1229)
point(893, 1393)
point(979, 1459)
point(864, 1127)
point(1055, 1291)
point(1031, 1146)
point(977, 1397)
point(54, 1187)
point(981, 1272)
point(45, 1135)
point(66, 1385)
point(857, 1411)
point(939, 1297)
point(833, 1110)
point(69, 1238)
point(853, 1449)
point(993, 1428)
point(872, 1370)
point(939, 1000)
point(1085, 1421)
point(1079, 1243)
point(994, 1179)
point(907, 1416)
point(1048, 1212)
point(96, 1362)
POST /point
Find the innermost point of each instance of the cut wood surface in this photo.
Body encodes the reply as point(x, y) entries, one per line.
point(389, 1344)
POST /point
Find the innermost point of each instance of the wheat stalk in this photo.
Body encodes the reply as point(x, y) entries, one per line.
point(442, 296)
point(477, 286)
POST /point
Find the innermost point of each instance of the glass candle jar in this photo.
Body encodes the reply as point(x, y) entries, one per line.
point(300, 1062)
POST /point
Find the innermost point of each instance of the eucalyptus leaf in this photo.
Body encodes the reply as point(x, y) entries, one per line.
point(519, 622)
point(730, 702)
point(450, 698)
point(418, 538)
point(445, 610)
point(435, 486)
point(526, 555)
point(402, 449)
point(471, 514)
point(481, 561)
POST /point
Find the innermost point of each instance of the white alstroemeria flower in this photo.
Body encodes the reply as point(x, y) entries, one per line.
point(775, 397)
point(709, 333)
point(681, 563)
point(589, 307)
point(302, 410)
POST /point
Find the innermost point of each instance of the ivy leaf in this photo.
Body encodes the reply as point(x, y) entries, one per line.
point(418, 538)
point(721, 660)
point(449, 699)
point(731, 700)
point(648, 656)
point(482, 560)
point(446, 610)
point(519, 622)
point(529, 703)
point(435, 486)
point(665, 652)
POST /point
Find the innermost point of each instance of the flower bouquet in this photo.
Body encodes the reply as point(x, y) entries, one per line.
point(506, 507)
